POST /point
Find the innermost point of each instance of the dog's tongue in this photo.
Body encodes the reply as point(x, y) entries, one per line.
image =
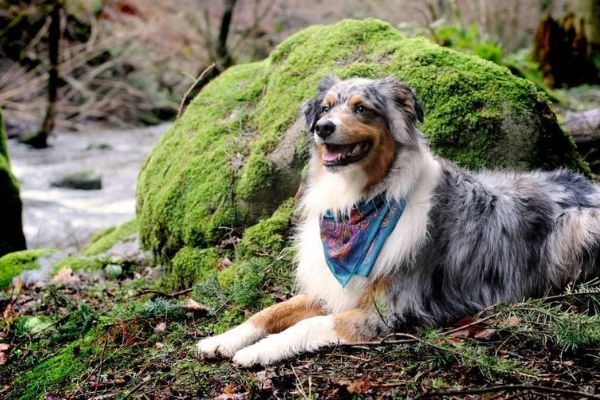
point(336, 152)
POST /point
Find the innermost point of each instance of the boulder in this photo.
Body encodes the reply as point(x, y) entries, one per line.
point(11, 227)
point(238, 152)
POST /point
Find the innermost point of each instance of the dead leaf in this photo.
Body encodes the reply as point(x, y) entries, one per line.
point(3, 358)
point(461, 334)
point(158, 345)
point(485, 334)
point(4, 346)
point(513, 321)
point(229, 389)
point(224, 263)
point(193, 306)
point(464, 321)
point(9, 314)
point(160, 327)
point(66, 277)
point(358, 387)
point(17, 283)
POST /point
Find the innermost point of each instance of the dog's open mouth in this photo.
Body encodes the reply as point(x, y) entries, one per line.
point(344, 154)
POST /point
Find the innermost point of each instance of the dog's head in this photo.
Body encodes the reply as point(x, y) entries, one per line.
point(362, 123)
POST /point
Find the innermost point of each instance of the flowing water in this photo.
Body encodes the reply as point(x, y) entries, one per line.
point(66, 218)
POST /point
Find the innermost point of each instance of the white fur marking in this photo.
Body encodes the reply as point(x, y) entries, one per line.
point(307, 335)
point(226, 344)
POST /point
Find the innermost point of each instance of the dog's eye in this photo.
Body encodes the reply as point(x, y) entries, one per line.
point(324, 109)
point(361, 109)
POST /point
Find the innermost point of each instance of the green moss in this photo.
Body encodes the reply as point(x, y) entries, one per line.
point(13, 264)
point(191, 264)
point(52, 375)
point(257, 176)
point(234, 158)
point(81, 263)
point(269, 236)
point(106, 239)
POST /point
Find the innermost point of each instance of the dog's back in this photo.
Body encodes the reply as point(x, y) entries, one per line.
point(500, 237)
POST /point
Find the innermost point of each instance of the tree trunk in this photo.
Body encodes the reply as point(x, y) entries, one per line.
point(11, 227)
point(223, 60)
point(40, 139)
point(589, 10)
point(561, 49)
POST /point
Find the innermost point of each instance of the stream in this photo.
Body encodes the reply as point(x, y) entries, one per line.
point(65, 219)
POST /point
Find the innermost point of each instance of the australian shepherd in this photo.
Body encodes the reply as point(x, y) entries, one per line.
point(392, 237)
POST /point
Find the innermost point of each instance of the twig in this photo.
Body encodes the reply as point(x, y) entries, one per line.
point(192, 87)
point(508, 388)
point(136, 387)
point(470, 324)
point(168, 295)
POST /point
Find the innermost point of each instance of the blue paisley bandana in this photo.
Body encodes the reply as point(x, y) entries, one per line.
point(352, 243)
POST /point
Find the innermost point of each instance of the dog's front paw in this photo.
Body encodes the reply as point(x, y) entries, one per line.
point(265, 352)
point(214, 346)
point(250, 356)
point(226, 344)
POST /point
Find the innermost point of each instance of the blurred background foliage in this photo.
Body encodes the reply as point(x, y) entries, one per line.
point(130, 62)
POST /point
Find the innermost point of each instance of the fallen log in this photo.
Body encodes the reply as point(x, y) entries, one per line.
point(584, 126)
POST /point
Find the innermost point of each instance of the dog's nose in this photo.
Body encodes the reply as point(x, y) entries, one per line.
point(325, 128)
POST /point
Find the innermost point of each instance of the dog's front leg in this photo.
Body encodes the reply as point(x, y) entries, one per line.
point(312, 334)
point(273, 319)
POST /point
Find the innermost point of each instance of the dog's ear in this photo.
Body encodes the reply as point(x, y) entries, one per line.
point(405, 99)
point(312, 108)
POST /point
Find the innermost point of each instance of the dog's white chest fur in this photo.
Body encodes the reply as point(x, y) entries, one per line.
point(336, 192)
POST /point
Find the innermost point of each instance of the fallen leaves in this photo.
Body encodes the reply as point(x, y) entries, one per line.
point(356, 387)
point(66, 277)
point(4, 347)
point(160, 327)
point(195, 307)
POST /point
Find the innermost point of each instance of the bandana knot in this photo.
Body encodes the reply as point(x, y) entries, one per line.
point(353, 242)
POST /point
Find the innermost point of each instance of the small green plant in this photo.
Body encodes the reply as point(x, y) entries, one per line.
point(469, 40)
point(161, 308)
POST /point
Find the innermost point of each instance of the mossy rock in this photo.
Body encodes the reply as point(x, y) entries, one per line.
point(104, 240)
point(238, 151)
point(14, 263)
point(11, 228)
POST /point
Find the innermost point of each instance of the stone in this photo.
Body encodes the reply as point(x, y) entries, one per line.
point(82, 180)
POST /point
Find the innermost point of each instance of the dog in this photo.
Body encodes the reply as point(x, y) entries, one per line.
point(392, 237)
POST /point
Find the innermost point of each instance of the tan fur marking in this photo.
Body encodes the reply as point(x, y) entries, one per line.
point(373, 290)
point(380, 158)
point(281, 316)
point(352, 326)
point(330, 100)
point(354, 101)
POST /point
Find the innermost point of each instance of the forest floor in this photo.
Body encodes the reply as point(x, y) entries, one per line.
point(119, 331)
point(99, 335)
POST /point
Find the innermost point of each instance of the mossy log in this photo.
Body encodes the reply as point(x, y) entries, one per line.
point(238, 152)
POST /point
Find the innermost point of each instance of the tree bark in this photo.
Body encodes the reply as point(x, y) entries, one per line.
point(589, 10)
point(11, 207)
point(40, 139)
